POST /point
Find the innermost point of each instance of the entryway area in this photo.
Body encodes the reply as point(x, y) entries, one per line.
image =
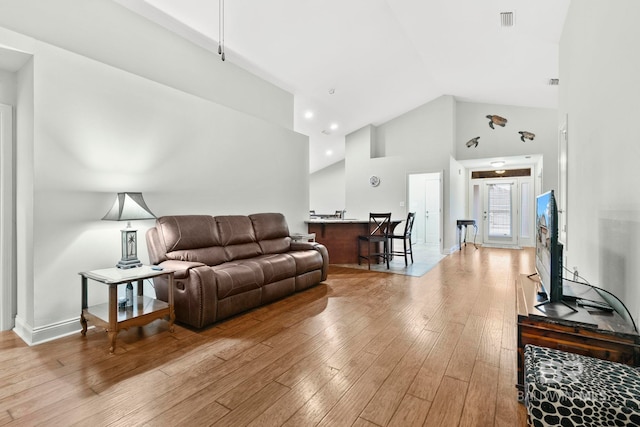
point(502, 199)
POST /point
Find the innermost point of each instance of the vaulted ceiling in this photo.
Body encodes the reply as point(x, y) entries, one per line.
point(357, 62)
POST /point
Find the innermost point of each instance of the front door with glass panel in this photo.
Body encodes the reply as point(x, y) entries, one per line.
point(500, 213)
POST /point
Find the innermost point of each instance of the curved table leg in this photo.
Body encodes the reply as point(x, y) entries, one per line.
point(112, 340)
point(83, 322)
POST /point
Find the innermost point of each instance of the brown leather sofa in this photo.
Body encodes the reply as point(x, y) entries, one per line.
point(225, 265)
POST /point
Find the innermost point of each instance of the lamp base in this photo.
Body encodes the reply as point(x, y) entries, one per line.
point(129, 263)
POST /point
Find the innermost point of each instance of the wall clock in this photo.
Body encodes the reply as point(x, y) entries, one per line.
point(374, 181)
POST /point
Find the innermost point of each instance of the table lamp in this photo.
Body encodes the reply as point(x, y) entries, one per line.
point(128, 207)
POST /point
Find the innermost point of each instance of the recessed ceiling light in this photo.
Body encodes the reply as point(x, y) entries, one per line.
point(497, 164)
point(333, 126)
point(500, 172)
point(308, 114)
point(329, 152)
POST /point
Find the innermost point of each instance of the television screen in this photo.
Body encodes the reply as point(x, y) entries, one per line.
point(548, 250)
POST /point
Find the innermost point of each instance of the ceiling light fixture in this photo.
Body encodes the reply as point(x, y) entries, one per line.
point(329, 152)
point(333, 126)
point(498, 164)
point(308, 114)
point(221, 29)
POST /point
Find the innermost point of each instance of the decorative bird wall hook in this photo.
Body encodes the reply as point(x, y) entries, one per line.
point(473, 142)
point(496, 120)
point(526, 135)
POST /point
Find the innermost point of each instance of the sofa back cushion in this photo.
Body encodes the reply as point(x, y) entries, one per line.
point(272, 232)
point(238, 237)
point(190, 238)
point(181, 232)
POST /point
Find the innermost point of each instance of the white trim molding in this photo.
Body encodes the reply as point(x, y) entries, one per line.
point(7, 258)
point(42, 334)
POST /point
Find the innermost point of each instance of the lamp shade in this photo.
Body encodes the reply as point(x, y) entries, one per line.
point(127, 207)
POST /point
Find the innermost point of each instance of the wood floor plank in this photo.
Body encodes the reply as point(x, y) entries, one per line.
point(479, 405)
point(491, 339)
point(389, 396)
point(362, 349)
point(426, 383)
point(357, 397)
point(312, 412)
point(448, 404)
point(297, 396)
point(412, 412)
point(507, 404)
point(464, 355)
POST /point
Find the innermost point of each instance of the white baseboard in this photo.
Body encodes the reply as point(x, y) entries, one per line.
point(42, 334)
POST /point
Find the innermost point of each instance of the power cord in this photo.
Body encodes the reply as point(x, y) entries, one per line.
point(635, 328)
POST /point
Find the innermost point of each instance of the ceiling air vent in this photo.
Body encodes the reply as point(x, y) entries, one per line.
point(507, 19)
point(554, 82)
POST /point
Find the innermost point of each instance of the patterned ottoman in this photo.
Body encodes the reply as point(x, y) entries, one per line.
point(565, 389)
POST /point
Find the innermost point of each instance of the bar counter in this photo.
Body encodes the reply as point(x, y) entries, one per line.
point(340, 236)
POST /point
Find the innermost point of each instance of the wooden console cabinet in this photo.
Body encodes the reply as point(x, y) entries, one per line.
point(595, 333)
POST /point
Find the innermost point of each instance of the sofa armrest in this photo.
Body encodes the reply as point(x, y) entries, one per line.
point(302, 246)
point(305, 246)
point(180, 268)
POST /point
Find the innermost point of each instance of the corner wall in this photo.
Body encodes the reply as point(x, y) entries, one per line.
point(87, 130)
point(419, 141)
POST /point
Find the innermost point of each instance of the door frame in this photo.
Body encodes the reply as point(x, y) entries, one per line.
point(440, 175)
point(8, 289)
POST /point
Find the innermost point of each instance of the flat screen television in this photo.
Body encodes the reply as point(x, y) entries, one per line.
point(548, 249)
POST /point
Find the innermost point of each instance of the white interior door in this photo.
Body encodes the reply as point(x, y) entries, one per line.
point(425, 199)
point(432, 210)
point(500, 213)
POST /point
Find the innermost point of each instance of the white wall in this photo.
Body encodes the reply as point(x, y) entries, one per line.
point(327, 189)
point(112, 34)
point(599, 91)
point(419, 141)
point(471, 121)
point(86, 130)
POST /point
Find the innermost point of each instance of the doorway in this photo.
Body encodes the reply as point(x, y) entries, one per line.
point(425, 199)
point(503, 210)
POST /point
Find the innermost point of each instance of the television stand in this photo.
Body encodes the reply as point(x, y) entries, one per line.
point(591, 332)
point(547, 302)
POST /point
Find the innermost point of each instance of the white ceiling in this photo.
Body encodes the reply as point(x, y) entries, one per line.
point(382, 58)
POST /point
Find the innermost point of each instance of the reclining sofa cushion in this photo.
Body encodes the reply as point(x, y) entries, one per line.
point(237, 237)
point(272, 233)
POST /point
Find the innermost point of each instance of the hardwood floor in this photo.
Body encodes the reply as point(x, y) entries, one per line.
point(362, 349)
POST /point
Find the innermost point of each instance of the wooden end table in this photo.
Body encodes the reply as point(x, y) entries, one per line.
point(144, 310)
